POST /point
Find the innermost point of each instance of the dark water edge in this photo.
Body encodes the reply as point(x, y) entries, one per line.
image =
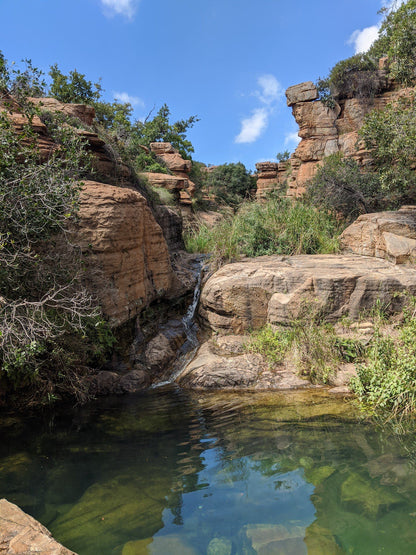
point(175, 472)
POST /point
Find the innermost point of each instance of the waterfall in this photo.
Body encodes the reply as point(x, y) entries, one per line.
point(189, 348)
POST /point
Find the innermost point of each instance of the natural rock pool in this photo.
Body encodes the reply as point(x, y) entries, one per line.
point(177, 473)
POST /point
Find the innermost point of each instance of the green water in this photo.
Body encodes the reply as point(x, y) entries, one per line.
point(181, 473)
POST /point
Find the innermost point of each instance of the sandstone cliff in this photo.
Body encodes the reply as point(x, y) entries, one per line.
point(324, 130)
point(133, 250)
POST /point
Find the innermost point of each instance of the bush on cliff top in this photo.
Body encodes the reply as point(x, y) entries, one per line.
point(51, 328)
point(278, 226)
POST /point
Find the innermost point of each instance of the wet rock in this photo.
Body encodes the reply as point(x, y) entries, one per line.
point(363, 496)
point(170, 544)
point(320, 541)
point(219, 546)
point(268, 539)
point(161, 350)
point(22, 534)
point(209, 370)
point(134, 381)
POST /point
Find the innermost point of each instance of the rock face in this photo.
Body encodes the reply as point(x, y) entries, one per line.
point(120, 237)
point(171, 183)
point(270, 176)
point(22, 534)
point(275, 289)
point(83, 112)
point(326, 130)
point(178, 166)
point(222, 363)
point(389, 235)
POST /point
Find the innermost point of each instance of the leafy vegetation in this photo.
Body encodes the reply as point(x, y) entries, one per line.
point(341, 187)
point(386, 381)
point(51, 328)
point(230, 183)
point(278, 226)
point(358, 74)
point(309, 344)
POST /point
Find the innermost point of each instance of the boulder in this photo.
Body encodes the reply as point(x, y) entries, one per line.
point(389, 235)
point(122, 241)
point(22, 534)
point(303, 92)
point(171, 157)
point(276, 289)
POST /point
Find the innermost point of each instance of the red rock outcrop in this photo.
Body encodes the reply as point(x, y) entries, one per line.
point(22, 534)
point(274, 289)
point(326, 130)
point(389, 235)
point(270, 176)
point(178, 166)
point(121, 239)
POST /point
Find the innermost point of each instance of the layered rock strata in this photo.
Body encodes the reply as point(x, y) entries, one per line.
point(326, 130)
point(275, 289)
point(270, 177)
point(389, 235)
point(179, 167)
point(22, 534)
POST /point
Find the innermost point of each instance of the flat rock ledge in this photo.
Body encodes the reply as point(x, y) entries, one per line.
point(22, 534)
point(222, 363)
point(247, 295)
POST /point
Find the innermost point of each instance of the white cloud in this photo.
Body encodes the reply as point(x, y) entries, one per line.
point(125, 97)
point(392, 4)
point(363, 39)
point(252, 127)
point(121, 7)
point(271, 89)
point(292, 138)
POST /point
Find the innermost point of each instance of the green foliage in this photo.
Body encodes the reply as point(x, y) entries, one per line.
point(340, 186)
point(73, 88)
point(397, 41)
point(278, 226)
point(390, 136)
point(230, 183)
point(355, 76)
point(48, 320)
point(309, 344)
point(160, 129)
point(386, 382)
point(115, 116)
point(283, 156)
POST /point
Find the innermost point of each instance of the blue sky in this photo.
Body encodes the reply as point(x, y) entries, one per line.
point(228, 61)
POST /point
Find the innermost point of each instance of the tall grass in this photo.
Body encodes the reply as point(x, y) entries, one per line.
point(278, 226)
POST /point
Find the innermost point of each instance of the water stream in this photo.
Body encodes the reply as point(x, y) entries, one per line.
point(171, 472)
point(188, 350)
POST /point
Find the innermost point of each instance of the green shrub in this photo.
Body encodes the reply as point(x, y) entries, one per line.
point(230, 183)
point(342, 187)
point(386, 382)
point(279, 226)
point(309, 344)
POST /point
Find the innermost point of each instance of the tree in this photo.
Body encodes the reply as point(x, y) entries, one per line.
point(159, 128)
point(390, 136)
point(341, 187)
point(231, 183)
point(73, 88)
point(397, 41)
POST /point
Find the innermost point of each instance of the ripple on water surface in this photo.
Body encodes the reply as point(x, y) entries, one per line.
point(174, 472)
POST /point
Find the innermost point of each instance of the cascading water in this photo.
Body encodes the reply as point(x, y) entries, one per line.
point(189, 348)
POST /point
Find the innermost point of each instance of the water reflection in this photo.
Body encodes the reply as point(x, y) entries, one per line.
point(172, 472)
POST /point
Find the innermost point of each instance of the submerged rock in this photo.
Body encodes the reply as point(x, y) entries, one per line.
point(20, 533)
